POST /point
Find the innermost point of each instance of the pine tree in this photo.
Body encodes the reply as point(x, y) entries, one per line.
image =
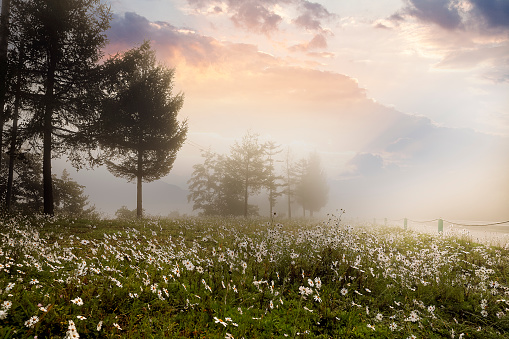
point(138, 127)
point(247, 164)
point(313, 190)
point(63, 40)
point(272, 180)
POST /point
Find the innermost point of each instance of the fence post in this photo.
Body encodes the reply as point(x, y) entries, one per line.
point(405, 223)
point(440, 225)
point(385, 221)
point(374, 221)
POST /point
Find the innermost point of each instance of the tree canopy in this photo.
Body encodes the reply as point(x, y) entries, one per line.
point(138, 128)
point(61, 42)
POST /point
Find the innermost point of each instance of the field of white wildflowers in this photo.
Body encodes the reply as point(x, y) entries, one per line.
point(234, 278)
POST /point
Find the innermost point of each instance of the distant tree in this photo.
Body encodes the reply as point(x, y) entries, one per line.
point(214, 189)
point(70, 198)
point(222, 184)
point(123, 213)
point(246, 164)
point(204, 184)
point(290, 180)
point(312, 189)
point(272, 180)
point(301, 184)
point(63, 41)
point(138, 127)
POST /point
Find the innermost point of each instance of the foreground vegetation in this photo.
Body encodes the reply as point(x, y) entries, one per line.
point(232, 278)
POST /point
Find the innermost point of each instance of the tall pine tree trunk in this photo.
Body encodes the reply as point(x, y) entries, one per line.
point(139, 181)
point(47, 132)
point(4, 40)
point(14, 136)
point(246, 189)
point(289, 204)
point(270, 201)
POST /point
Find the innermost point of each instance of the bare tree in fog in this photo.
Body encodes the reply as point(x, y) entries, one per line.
point(138, 128)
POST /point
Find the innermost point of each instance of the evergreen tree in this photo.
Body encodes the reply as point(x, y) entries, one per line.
point(63, 40)
point(70, 198)
point(221, 185)
point(313, 190)
point(290, 180)
point(272, 180)
point(138, 127)
point(27, 190)
point(246, 164)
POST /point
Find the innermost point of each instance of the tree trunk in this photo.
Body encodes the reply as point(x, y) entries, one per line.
point(139, 181)
point(289, 193)
point(270, 202)
point(246, 187)
point(47, 132)
point(4, 40)
point(12, 152)
point(289, 204)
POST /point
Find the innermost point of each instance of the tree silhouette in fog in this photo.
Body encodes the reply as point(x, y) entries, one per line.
point(138, 128)
point(215, 189)
point(222, 184)
point(246, 163)
point(62, 42)
point(272, 179)
point(312, 190)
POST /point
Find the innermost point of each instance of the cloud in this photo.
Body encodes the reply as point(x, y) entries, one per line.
point(318, 42)
point(312, 15)
point(366, 164)
point(495, 13)
point(485, 16)
point(470, 58)
point(465, 34)
point(262, 16)
point(256, 17)
point(439, 12)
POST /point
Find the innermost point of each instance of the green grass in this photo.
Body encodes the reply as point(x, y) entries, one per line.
point(214, 278)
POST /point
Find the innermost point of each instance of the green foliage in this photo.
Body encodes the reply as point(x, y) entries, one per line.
point(222, 184)
point(138, 128)
point(123, 213)
point(70, 198)
point(218, 277)
point(55, 47)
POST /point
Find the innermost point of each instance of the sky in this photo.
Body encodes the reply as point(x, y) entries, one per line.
point(406, 101)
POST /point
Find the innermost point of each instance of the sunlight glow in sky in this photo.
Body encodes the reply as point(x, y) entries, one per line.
point(406, 100)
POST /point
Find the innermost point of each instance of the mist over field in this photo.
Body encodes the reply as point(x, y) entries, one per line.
point(404, 102)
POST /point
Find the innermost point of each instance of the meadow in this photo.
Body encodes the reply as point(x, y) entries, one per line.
point(236, 278)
